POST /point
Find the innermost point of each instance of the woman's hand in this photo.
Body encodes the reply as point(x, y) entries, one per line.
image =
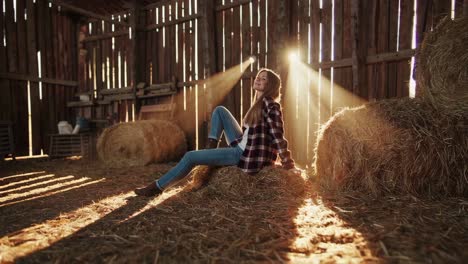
point(296, 171)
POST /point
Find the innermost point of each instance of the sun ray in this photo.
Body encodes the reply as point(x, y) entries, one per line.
point(43, 235)
point(21, 175)
point(50, 191)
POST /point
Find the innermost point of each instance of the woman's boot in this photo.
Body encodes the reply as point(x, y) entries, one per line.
point(148, 191)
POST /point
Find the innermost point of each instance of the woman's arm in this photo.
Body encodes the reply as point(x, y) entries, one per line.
point(275, 124)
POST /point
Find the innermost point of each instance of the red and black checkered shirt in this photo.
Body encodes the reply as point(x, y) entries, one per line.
point(265, 141)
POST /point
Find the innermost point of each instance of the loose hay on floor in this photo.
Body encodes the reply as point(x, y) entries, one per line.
point(399, 227)
point(399, 145)
point(141, 143)
point(442, 71)
point(236, 219)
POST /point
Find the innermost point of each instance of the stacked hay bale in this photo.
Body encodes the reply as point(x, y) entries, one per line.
point(442, 63)
point(418, 146)
point(140, 143)
point(398, 145)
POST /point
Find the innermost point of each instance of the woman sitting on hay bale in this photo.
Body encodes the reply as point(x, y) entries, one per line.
point(251, 148)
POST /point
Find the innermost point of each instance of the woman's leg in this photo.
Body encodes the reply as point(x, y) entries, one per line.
point(223, 120)
point(213, 157)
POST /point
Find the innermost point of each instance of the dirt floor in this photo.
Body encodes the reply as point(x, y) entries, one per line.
point(72, 210)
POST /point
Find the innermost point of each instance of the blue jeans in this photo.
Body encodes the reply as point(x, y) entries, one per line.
point(221, 120)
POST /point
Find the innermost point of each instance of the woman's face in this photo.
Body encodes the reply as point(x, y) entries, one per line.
point(261, 82)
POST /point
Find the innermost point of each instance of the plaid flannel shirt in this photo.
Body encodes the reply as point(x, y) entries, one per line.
point(265, 141)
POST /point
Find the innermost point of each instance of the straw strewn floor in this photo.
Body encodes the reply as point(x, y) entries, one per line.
point(71, 211)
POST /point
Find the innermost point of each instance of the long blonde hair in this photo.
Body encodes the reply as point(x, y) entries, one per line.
point(272, 89)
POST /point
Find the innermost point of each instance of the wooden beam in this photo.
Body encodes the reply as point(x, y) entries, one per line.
point(391, 56)
point(79, 104)
point(231, 5)
point(106, 36)
point(189, 83)
point(371, 59)
point(157, 4)
point(86, 13)
point(117, 90)
point(169, 85)
point(119, 97)
point(23, 77)
point(335, 64)
point(163, 92)
point(173, 22)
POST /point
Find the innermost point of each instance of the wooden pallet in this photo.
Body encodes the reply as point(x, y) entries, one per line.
point(159, 111)
point(7, 145)
point(83, 144)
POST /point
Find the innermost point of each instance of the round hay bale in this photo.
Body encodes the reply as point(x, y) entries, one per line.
point(442, 72)
point(140, 143)
point(398, 145)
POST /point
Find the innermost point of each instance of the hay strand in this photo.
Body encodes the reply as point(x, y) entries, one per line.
point(200, 176)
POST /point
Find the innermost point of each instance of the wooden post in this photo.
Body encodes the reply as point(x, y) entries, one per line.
point(440, 9)
point(246, 51)
point(33, 72)
point(392, 73)
point(5, 99)
point(404, 68)
point(424, 16)
point(315, 18)
point(372, 70)
point(136, 66)
point(359, 48)
point(208, 45)
point(278, 15)
point(465, 8)
point(326, 86)
point(208, 38)
point(338, 51)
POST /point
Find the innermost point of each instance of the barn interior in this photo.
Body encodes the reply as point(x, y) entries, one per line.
point(375, 114)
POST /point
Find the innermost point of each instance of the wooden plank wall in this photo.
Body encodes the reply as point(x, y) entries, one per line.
point(168, 48)
point(172, 38)
point(386, 29)
point(28, 28)
point(107, 65)
point(241, 31)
